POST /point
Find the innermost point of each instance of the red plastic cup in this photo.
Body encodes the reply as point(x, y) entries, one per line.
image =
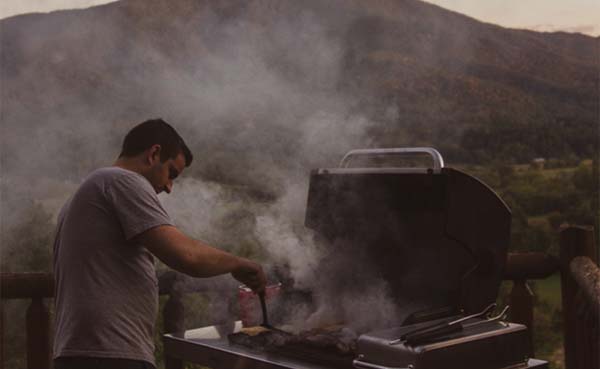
point(250, 311)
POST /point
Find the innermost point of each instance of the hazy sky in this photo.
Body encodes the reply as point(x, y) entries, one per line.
point(541, 15)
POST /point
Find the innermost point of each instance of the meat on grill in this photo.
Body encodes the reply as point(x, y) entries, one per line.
point(338, 339)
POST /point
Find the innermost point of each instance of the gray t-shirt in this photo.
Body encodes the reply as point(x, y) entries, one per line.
point(106, 286)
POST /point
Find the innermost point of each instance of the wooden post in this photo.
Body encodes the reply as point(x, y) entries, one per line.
point(579, 357)
point(592, 339)
point(590, 345)
point(521, 308)
point(1, 334)
point(174, 322)
point(586, 274)
point(574, 241)
point(38, 335)
point(521, 267)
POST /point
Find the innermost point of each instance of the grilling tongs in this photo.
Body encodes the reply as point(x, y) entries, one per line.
point(265, 323)
point(263, 306)
point(424, 334)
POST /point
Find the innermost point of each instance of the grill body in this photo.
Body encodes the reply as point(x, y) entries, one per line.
point(437, 236)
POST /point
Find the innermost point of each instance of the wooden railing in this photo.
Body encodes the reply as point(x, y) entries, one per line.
point(580, 284)
point(580, 289)
point(40, 286)
point(577, 263)
point(37, 287)
point(521, 268)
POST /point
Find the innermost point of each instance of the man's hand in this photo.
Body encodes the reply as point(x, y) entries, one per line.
point(251, 274)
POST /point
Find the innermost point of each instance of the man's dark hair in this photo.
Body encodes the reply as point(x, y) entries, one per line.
point(152, 132)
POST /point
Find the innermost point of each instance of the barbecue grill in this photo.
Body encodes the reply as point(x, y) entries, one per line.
point(439, 239)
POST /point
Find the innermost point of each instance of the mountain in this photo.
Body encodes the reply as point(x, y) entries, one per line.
point(283, 85)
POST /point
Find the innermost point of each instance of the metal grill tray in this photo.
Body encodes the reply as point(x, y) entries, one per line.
point(209, 346)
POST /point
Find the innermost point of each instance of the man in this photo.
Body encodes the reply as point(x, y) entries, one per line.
point(107, 236)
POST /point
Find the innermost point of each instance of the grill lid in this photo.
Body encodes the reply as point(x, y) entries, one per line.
point(437, 235)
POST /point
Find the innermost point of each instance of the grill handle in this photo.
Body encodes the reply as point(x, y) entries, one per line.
point(438, 161)
point(357, 363)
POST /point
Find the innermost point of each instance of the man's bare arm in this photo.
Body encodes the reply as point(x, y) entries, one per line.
point(198, 259)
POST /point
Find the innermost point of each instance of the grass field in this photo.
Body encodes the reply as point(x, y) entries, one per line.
point(548, 329)
point(548, 290)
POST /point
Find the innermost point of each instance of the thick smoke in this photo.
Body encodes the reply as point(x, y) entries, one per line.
point(258, 99)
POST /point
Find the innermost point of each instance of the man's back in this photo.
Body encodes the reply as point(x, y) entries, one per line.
point(106, 301)
point(107, 237)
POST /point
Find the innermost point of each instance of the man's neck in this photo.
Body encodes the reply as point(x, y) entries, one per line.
point(133, 164)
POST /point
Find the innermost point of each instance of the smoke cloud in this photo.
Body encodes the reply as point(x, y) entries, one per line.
point(257, 98)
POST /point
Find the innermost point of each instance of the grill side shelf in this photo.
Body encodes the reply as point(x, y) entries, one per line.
point(219, 354)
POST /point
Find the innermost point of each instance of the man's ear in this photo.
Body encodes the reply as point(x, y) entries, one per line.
point(153, 154)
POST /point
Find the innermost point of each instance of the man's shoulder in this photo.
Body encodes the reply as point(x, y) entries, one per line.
point(110, 179)
point(109, 175)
